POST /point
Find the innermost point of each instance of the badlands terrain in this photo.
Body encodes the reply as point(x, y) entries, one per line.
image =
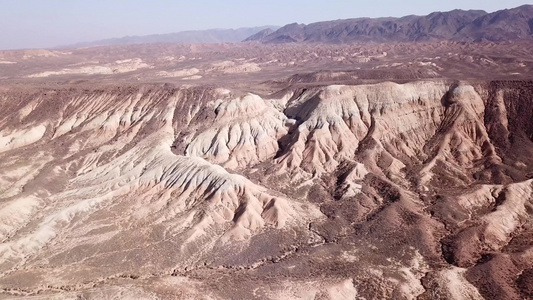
point(267, 171)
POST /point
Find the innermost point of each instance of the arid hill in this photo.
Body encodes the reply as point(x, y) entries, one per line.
point(248, 171)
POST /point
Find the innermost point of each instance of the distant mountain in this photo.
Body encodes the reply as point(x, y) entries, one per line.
point(459, 25)
point(196, 36)
point(508, 24)
point(260, 35)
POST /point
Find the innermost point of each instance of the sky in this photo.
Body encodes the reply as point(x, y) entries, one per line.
point(51, 23)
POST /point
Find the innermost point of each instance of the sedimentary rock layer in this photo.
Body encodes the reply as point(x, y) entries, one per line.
point(385, 190)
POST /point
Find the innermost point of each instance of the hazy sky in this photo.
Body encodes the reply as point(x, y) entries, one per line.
point(49, 23)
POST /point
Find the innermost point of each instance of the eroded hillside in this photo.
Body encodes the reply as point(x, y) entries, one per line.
point(314, 191)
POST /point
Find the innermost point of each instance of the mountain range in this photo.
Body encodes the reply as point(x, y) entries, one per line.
point(457, 25)
point(193, 36)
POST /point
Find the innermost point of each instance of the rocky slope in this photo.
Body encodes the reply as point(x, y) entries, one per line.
point(259, 36)
point(317, 191)
point(508, 24)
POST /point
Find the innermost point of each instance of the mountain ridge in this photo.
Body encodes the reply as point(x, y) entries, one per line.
point(457, 25)
point(215, 35)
